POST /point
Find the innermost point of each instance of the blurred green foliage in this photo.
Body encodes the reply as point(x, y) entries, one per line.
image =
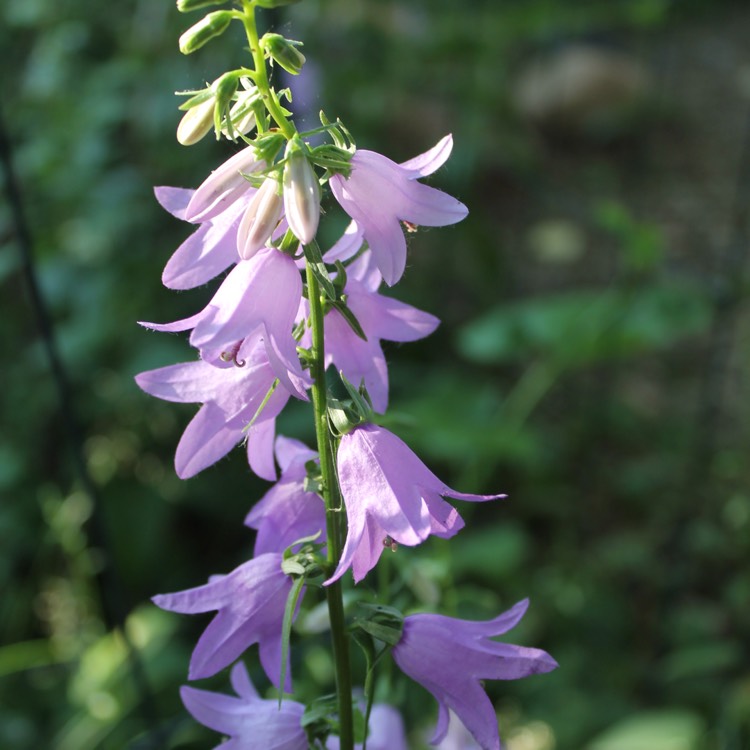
point(572, 370)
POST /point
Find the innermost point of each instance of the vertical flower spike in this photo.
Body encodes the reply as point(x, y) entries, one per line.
point(248, 720)
point(301, 195)
point(449, 657)
point(389, 494)
point(250, 602)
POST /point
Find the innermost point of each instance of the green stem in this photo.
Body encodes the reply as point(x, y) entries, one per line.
point(332, 499)
point(261, 76)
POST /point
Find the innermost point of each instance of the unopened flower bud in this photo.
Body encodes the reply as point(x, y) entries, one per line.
point(301, 197)
point(196, 123)
point(185, 6)
point(261, 217)
point(284, 52)
point(206, 29)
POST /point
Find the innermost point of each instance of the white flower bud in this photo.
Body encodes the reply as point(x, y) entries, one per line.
point(301, 197)
point(196, 123)
point(260, 219)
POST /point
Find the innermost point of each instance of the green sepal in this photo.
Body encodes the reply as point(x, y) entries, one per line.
point(320, 720)
point(196, 98)
point(360, 398)
point(225, 87)
point(185, 6)
point(213, 25)
point(380, 621)
point(335, 159)
point(315, 260)
point(286, 628)
point(284, 52)
point(263, 404)
point(268, 145)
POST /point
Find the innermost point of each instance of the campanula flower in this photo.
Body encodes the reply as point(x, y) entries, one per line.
point(224, 186)
point(260, 297)
point(231, 397)
point(287, 512)
point(379, 194)
point(248, 720)
point(450, 657)
point(381, 318)
point(390, 496)
point(250, 602)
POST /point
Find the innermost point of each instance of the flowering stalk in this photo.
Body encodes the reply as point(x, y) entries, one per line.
point(333, 504)
point(266, 337)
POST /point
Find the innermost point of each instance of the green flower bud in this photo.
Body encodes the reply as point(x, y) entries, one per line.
point(284, 52)
point(196, 123)
point(185, 6)
point(212, 25)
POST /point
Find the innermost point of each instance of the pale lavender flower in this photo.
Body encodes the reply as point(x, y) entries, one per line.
point(286, 512)
point(249, 721)
point(381, 318)
point(450, 657)
point(390, 496)
point(224, 186)
point(260, 297)
point(250, 602)
point(230, 396)
point(379, 194)
point(386, 731)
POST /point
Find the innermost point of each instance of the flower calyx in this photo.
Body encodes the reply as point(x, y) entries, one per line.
point(306, 562)
point(384, 623)
point(283, 52)
point(346, 414)
point(185, 6)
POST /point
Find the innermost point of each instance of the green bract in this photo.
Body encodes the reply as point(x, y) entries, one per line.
point(206, 29)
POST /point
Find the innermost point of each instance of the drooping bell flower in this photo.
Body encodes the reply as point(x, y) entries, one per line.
point(248, 720)
point(250, 602)
point(451, 657)
point(287, 512)
point(230, 396)
point(259, 297)
point(390, 497)
point(224, 185)
point(379, 194)
point(381, 318)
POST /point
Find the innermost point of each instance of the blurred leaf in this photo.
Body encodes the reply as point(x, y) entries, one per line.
point(657, 730)
point(583, 327)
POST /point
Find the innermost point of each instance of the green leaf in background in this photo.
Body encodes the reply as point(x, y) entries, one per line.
point(653, 730)
point(584, 327)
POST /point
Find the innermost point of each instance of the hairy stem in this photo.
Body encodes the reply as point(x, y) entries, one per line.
point(332, 499)
point(261, 75)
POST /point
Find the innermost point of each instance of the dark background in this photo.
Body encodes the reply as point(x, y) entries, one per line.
point(592, 360)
